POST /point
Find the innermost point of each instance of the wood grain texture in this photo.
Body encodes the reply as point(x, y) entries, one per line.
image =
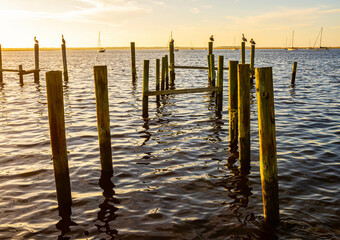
point(233, 105)
point(55, 103)
point(267, 138)
point(103, 117)
point(244, 116)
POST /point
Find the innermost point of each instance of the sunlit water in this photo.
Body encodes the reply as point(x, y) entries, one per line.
point(172, 176)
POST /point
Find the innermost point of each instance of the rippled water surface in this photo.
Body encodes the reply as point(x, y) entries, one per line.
point(173, 175)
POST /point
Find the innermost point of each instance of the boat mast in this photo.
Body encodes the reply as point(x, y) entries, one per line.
point(98, 41)
point(293, 40)
point(320, 36)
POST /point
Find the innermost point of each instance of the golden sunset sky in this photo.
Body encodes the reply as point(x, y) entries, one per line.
point(149, 22)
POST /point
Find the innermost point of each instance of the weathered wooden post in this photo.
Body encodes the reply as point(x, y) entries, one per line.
point(210, 50)
point(55, 103)
point(233, 105)
point(63, 52)
point(244, 117)
point(243, 52)
point(267, 138)
point(21, 76)
point(219, 95)
point(252, 61)
point(36, 63)
point(103, 117)
point(172, 63)
point(292, 82)
point(133, 62)
point(212, 70)
point(166, 72)
point(145, 107)
point(209, 70)
point(1, 74)
point(157, 77)
point(163, 74)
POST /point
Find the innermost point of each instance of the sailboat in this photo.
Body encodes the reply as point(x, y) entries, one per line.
point(100, 49)
point(292, 48)
point(234, 47)
point(286, 45)
point(319, 48)
point(191, 48)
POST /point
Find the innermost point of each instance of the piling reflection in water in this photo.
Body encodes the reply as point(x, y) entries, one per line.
point(65, 223)
point(238, 188)
point(146, 133)
point(237, 185)
point(107, 212)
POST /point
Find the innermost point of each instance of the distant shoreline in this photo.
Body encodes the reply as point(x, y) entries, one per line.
point(151, 48)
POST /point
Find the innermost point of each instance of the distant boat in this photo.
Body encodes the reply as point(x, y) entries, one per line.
point(191, 48)
point(286, 45)
point(100, 49)
point(319, 48)
point(292, 48)
point(234, 47)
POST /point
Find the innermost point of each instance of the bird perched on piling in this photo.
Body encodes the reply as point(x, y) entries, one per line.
point(243, 38)
point(252, 41)
point(35, 40)
point(211, 38)
point(62, 39)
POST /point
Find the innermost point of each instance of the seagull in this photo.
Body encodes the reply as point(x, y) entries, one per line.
point(35, 40)
point(211, 38)
point(243, 38)
point(62, 39)
point(252, 41)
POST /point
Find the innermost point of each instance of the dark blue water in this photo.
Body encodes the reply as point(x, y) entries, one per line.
point(173, 175)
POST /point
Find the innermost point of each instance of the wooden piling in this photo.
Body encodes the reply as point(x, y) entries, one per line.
point(36, 63)
point(21, 76)
point(210, 50)
point(292, 82)
point(133, 62)
point(244, 117)
point(209, 70)
point(157, 77)
point(233, 105)
point(55, 103)
point(172, 63)
point(63, 52)
point(1, 74)
point(267, 138)
point(252, 61)
point(166, 72)
point(103, 117)
point(145, 107)
point(219, 95)
point(243, 52)
point(212, 70)
point(163, 74)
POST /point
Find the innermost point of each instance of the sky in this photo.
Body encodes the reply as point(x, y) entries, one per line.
point(150, 22)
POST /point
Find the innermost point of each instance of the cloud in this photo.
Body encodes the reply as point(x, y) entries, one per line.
point(108, 12)
point(336, 10)
point(160, 3)
point(195, 10)
point(283, 18)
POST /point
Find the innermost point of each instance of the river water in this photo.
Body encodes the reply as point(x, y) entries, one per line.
point(173, 175)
